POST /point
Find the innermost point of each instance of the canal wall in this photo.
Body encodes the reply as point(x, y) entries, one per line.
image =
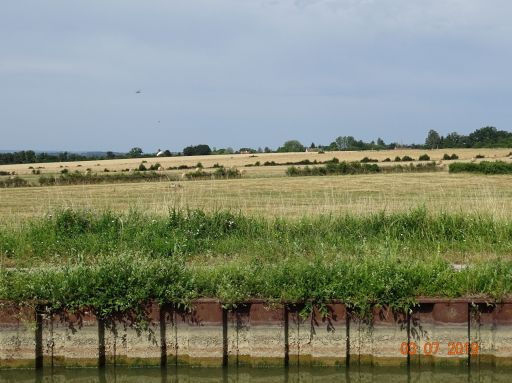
point(436, 332)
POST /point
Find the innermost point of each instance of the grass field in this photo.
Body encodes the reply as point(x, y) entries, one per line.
point(114, 262)
point(280, 196)
point(366, 239)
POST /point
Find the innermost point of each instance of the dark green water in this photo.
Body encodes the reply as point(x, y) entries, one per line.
point(243, 375)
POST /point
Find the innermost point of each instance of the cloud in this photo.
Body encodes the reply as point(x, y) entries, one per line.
point(239, 72)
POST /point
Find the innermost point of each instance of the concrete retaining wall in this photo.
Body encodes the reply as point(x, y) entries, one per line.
point(437, 332)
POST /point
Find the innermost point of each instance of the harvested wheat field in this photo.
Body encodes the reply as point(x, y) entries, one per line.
point(241, 160)
point(283, 196)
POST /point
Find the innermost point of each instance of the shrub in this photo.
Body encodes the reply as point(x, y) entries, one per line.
point(387, 160)
point(366, 160)
point(64, 171)
point(407, 158)
point(479, 156)
point(199, 165)
point(334, 168)
point(47, 180)
point(485, 167)
point(14, 182)
point(424, 157)
point(106, 170)
point(447, 157)
point(4, 173)
point(142, 168)
point(227, 173)
point(398, 159)
point(219, 173)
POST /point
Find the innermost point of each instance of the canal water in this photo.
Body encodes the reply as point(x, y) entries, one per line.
point(255, 375)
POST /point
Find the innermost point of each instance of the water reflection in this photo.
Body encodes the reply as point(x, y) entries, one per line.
point(248, 375)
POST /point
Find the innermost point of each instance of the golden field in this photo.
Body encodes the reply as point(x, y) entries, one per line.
point(277, 196)
point(240, 160)
point(265, 190)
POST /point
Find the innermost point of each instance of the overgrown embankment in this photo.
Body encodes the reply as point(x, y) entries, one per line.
point(114, 262)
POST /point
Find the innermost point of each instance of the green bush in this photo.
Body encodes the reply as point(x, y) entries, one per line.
point(424, 157)
point(155, 166)
point(367, 159)
point(398, 159)
point(334, 168)
point(407, 158)
point(14, 182)
point(219, 173)
point(485, 167)
point(447, 157)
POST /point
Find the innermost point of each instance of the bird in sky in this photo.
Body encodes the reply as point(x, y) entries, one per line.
point(138, 91)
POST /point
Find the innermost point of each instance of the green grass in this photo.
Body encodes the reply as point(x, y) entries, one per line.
point(196, 234)
point(115, 262)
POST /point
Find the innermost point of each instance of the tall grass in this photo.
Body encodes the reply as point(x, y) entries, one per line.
point(196, 234)
point(116, 262)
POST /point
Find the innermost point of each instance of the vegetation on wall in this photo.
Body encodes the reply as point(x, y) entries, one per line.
point(115, 262)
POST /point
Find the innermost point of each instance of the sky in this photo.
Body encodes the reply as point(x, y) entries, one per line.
point(249, 73)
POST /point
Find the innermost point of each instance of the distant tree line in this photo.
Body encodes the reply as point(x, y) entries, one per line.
point(487, 137)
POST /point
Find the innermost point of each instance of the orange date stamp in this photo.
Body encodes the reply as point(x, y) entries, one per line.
point(433, 348)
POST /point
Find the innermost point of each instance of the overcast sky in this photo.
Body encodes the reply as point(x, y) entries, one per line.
point(249, 72)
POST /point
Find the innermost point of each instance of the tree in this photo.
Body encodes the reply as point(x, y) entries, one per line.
point(433, 139)
point(292, 146)
point(110, 155)
point(346, 143)
point(135, 152)
point(198, 150)
point(454, 140)
point(247, 150)
point(380, 142)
